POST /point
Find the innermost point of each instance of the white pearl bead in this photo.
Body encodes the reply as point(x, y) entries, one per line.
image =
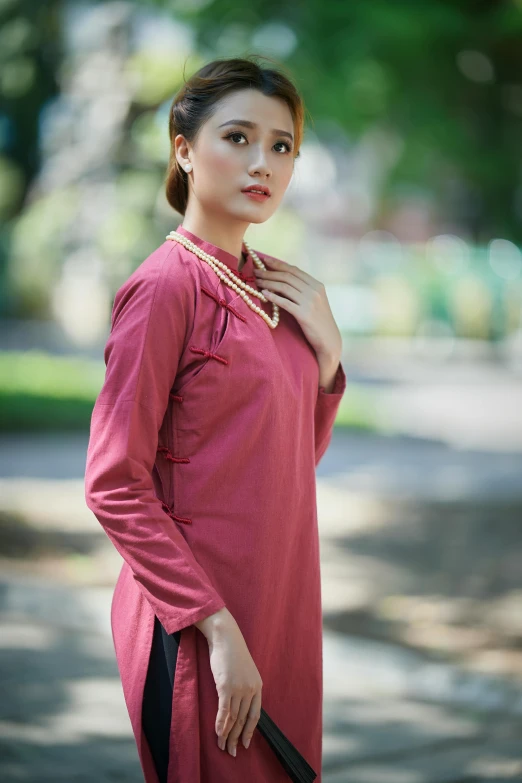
point(230, 278)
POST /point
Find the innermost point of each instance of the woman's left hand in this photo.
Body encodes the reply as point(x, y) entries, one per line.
point(305, 297)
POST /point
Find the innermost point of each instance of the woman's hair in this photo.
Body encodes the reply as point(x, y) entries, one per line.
point(195, 103)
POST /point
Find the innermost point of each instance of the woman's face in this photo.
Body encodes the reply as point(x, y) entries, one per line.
point(227, 156)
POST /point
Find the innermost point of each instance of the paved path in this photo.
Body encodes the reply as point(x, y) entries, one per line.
point(398, 708)
point(389, 715)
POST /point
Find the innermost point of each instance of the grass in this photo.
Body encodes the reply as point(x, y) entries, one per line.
point(42, 392)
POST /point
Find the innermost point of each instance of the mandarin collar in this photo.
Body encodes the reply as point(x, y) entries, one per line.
point(247, 270)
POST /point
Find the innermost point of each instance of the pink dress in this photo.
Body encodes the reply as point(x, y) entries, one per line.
point(201, 470)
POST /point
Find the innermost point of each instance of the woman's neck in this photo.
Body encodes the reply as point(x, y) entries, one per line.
point(216, 233)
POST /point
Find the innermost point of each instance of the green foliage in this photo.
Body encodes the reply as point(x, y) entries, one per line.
point(40, 392)
point(439, 84)
point(396, 65)
point(357, 411)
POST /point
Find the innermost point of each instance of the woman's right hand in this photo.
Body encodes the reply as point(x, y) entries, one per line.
point(237, 679)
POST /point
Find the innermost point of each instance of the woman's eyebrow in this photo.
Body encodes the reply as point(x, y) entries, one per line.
point(248, 124)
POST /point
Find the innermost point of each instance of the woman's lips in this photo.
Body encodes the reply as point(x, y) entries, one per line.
point(255, 196)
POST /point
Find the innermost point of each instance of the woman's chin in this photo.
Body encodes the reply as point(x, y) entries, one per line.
point(254, 213)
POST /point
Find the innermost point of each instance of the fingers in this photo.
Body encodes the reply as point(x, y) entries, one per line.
point(293, 294)
point(222, 719)
point(254, 713)
point(288, 271)
point(283, 302)
point(292, 280)
point(226, 718)
point(237, 716)
point(240, 713)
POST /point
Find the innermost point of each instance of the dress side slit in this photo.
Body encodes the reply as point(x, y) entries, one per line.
point(157, 695)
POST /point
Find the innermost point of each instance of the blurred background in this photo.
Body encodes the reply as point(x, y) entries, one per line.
point(407, 203)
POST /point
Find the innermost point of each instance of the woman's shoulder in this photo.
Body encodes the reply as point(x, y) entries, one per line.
point(162, 278)
point(167, 266)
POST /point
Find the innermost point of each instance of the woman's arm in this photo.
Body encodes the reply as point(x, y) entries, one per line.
point(305, 298)
point(151, 312)
point(331, 389)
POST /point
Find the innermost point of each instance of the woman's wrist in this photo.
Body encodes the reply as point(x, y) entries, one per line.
point(328, 367)
point(215, 623)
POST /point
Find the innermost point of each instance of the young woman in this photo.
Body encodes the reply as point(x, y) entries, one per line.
point(223, 380)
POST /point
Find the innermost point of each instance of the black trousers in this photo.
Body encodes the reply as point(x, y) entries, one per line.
point(157, 696)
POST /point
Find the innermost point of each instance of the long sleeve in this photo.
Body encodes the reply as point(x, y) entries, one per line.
point(326, 408)
point(151, 312)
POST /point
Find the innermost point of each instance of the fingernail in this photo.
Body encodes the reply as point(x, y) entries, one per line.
point(233, 751)
point(247, 743)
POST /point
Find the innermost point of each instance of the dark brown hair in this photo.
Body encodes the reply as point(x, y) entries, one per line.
point(195, 102)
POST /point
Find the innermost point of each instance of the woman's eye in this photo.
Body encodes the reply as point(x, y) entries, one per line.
point(230, 135)
point(238, 133)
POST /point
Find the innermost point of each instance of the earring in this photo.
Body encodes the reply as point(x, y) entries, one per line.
point(188, 167)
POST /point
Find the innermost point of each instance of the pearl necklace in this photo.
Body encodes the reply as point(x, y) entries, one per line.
point(229, 278)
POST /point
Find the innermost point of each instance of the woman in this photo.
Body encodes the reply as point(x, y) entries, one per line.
point(222, 384)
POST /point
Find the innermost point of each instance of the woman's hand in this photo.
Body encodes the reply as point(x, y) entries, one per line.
point(305, 297)
point(237, 679)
